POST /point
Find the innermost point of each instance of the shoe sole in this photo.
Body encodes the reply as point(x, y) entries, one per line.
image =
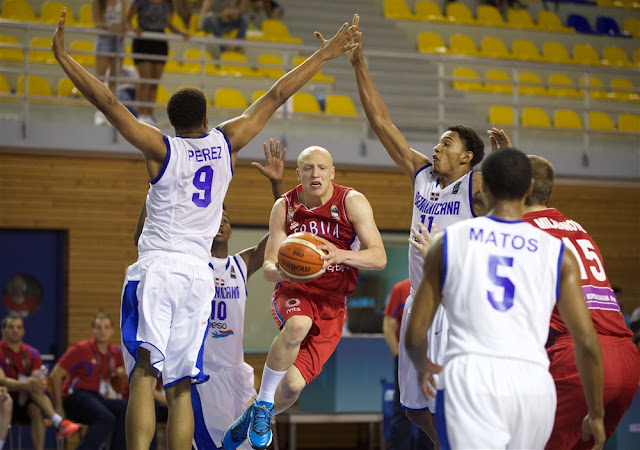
point(264, 447)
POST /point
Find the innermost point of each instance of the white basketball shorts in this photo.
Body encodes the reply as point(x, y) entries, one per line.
point(411, 396)
point(166, 303)
point(490, 402)
point(218, 402)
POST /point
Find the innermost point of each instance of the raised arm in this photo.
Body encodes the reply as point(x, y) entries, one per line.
point(588, 354)
point(423, 310)
point(242, 129)
point(147, 139)
point(408, 159)
point(277, 234)
point(372, 256)
point(273, 169)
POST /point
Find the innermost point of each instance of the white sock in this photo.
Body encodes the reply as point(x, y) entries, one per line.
point(270, 381)
point(56, 419)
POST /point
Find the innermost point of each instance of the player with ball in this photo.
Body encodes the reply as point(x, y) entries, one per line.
point(310, 311)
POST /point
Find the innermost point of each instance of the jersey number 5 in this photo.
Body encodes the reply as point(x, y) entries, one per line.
point(505, 283)
point(202, 180)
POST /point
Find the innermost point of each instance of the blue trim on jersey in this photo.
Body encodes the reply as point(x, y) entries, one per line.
point(421, 169)
point(201, 377)
point(558, 277)
point(244, 279)
point(226, 266)
point(166, 161)
point(497, 219)
point(445, 257)
point(212, 268)
point(228, 146)
point(473, 213)
point(201, 436)
point(129, 319)
point(441, 422)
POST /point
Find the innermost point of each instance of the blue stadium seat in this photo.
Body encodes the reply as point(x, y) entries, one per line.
point(580, 24)
point(607, 25)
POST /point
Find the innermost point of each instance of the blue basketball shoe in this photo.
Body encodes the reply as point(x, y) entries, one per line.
point(260, 430)
point(237, 432)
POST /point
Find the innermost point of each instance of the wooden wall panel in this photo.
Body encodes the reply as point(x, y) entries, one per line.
point(97, 201)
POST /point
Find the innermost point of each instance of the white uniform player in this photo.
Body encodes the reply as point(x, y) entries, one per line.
point(442, 207)
point(497, 305)
point(217, 402)
point(184, 209)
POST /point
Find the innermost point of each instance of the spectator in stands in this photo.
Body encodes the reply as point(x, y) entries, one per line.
point(6, 410)
point(90, 381)
point(618, 291)
point(259, 10)
point(24, 376)
point(155, 16)
point(635, 326)
point(218, 17)
point(108, 15)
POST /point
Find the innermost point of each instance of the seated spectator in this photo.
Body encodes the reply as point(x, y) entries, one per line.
point(24, 376)
point(6, 410)
point(222, 16)
point(89, 380)
point(260, 10)
point(635, 327)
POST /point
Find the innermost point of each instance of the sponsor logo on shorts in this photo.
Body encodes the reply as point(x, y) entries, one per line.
point(292, 305)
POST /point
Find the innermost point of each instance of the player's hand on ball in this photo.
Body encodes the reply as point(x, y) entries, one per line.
point(422, 239)
point(426, 379)
point(284, 276)
point(593, 427)
point(332, 253)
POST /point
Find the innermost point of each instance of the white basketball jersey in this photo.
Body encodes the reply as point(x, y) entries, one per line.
point(500, 283)
point(223, 345)
point(434, 205)
point(184, 203)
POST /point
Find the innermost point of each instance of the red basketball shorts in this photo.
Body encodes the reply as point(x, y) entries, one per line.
point(621, 375)
point(328, 313)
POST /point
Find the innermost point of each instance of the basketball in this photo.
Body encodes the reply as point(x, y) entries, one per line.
point(299, 257)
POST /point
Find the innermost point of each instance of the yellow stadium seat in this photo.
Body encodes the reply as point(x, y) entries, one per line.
point(594, 82)
point(194, 25)
point(459, 13)
point(51, 10)
point(629, 122)
point(127, 60)
point(501, 115)
point(605, 3)
point(585, 54)
point(86, 16)
point(42, 54)
point(498, 88)
point(5, 90)
point(466, 80)
point(622, 89)
point(229, 98)
point(430, 42)
point(396, 9)
point(38, 86)
point(636, 57)
point(632, 26)
point(525, 50)
point(18, 10)
point(84, 59)
point(535, 117)
point(489, 16)
point(196, 66)
point(599, 120)
point(319, 77)
point(615, 56)
point(177, 22)
point(276, 31)
point(10, 54)
point(256, 95)
point(162, 95)
point(461, 44)
point(66, 88)
point(549, 21)
point(533, 84)
point(239, 69)
point(493, 47)
point(520, 18)
point(560, 85)
point(303, 102)
point(172, 65)
point(555, 52)
point(428, 10)
point(270, 72)
point(341, 105)
point(566, 118)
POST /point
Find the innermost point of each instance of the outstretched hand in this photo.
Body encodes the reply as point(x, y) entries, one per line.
point(57, 44)
point(340, 43)
point(422, 239)
point(499, 139)
point(355, 53)
point(273, 167)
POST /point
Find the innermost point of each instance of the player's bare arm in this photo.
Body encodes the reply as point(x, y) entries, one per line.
point(372, 256)
point(242, 129)
point(277, 234)
point(588, 354)
point(408, 159)
point(423, 310)
point(147, 139)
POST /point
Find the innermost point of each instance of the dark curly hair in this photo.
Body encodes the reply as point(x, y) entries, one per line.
point(187, 108)
point(471, 141)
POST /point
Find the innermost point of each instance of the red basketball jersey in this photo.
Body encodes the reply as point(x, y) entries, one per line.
point(601, 300)
point(329, 221)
